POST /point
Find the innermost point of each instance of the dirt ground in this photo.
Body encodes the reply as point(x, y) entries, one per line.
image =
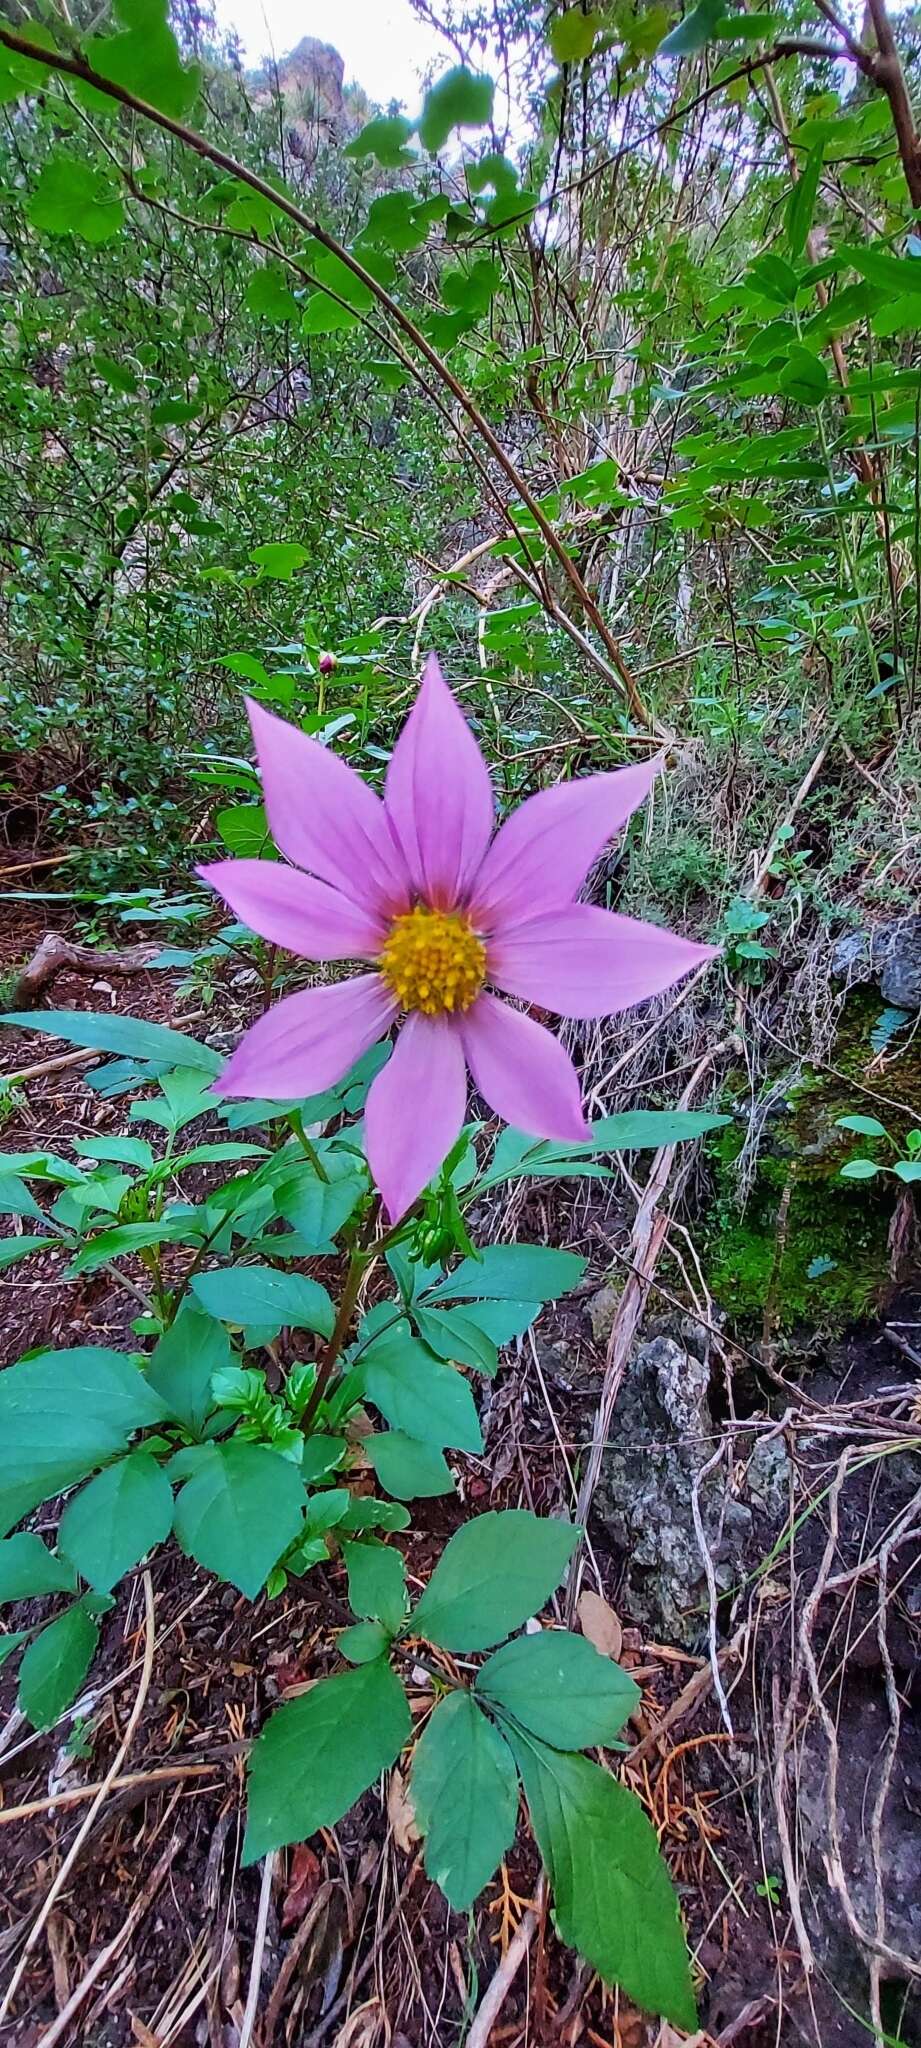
point(359, 1948)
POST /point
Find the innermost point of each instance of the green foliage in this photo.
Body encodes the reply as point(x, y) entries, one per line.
point(465, 1798)
point(495, 1572)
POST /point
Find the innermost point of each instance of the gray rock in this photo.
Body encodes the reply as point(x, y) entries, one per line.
point(889, 954)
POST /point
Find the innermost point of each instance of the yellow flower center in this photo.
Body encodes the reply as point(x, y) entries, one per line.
point(433, 961)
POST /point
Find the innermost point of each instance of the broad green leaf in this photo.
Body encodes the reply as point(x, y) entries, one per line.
point(244, 829)
point(63, 1414)
point(12, 1249)
point(803, 376)
point(54, 1666)
point(259, 1296)
point(898, 275)
point(280, 559)
point(694, 31)
point(319, 1753)
point(461, 99)
point(317, 1209)
point(865, 1126)
point(182, 1365)
point(377, 1583)
point(239, 1511)
point(123, 1151)
point(451, 1334)
point(269, 297)
point(860, 1169)
point(360, 1644)
point(465, 1798)
point(384, 138)
point(27, 1568)
point(496, 1572)
point(15, 1199)
point(502, 1320)
point(801, 203)
point(511, 1272)
point(612, 1896)
point(73, 198)
point(19, 75)
point(145, 59)
point(394, 219)
point(325, 315)
point(420, 1396)
point(572, 35)
point(560, 1688)
point(14, 1637)
point(131, 1036)
point(113, 1522)
point(907, 1169)
point(646, 1130)
point(406, 1468)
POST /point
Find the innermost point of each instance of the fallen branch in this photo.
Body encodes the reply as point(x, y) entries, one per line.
point(55, 953)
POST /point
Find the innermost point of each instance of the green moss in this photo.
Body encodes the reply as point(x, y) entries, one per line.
point(826, 1262)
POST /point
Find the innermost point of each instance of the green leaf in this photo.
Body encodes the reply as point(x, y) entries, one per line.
point(145, 59)
point(182, 1365)
point(244, 829)
point(865, 1126)
point(803, 376)
point(63, 1414)
point(122, 1151)
point(361, 1644)
point(420, 1396)
point(319, 1753)
point(377, 1583)
point(465, 1798)
point(279, 559)
point(12, 1249)
point(239, 1512)
point(20, 75)
point(496, 1572)
point(461, 99)
point(451, 1334)
point(130, 1237)
point(384, 138)
point(406, 1468)
point(113, 1522)
point(907, 1169)
point(317, 1209)
point(612, 1895)
point(133, 1037)
point(572, 35)
point(860, 1169)
point(27, 1568)
point(801, 203)
point(560, 1688)
point(694, 31)
point(512, 1272)
point(14, 1637)
point(15, 1199)
point(262, 1297)
point(269, 297)
point(55, 1665)
point(72, 198)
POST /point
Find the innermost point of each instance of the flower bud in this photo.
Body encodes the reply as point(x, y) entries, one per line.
point(327, 663)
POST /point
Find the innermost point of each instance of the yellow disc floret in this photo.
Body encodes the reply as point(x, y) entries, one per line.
point(433, 961)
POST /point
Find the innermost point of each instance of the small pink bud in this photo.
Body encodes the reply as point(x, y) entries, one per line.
point(326, 664)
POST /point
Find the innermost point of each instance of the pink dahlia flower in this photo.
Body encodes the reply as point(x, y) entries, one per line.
point(445, 913)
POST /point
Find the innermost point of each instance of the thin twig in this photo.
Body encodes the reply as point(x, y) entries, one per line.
point(255, 1974)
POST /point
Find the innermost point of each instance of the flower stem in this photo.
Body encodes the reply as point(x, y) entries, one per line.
point(353, 1279)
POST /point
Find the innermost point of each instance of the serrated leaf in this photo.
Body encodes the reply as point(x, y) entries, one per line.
point(612, 1896)
point(54, 1666)
point(28, 1568)
point(280, 559)
point(560, 1688)
point(406, 1468)
point(113, 1522)
point(268, 296)
point(465, 1798)
point(496, 1572)
point(240, 1510)
point(319, 1753)
point(73, 198)
point(384, 138)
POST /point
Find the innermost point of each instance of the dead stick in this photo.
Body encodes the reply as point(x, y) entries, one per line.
point(113, 1948)
point(501, 1982)
point(55, 953)
point(53, 1066)
point(164, 1774)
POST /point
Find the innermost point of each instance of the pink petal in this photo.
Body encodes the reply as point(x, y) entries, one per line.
point(542, 854)
point(583, 962)
point(325, 818)
point(522, 1071)
point(296, 911)
point(438, 795)
point(415, 1109)
point(307, 1042)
